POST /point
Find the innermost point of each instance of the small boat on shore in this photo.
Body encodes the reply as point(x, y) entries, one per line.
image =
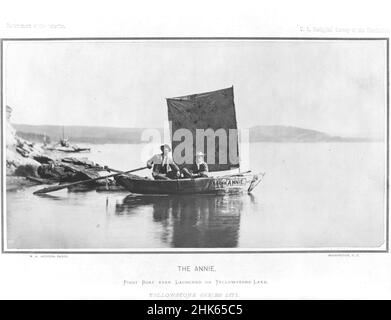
point(210, 110)
point(64, 146)
point(69, 149)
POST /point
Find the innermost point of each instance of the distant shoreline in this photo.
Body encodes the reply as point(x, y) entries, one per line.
point(111, 135)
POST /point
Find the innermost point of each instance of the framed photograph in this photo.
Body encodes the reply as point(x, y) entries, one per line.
point(206, 166)
point(307, 174)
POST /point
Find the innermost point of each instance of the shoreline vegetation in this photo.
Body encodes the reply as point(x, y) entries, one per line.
point(111, 135)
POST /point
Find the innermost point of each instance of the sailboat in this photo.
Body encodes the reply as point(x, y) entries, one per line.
point(64, 146)
point(209, 110)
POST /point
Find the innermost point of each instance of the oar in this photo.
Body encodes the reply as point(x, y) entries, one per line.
point(111, 169)
point(63, 186)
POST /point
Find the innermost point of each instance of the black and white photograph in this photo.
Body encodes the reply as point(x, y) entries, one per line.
point(194, 156)
point(195, 144)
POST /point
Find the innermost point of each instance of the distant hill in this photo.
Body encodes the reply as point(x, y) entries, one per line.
point(288, 134)
point(94, 135)
point(101, 135)
point(296, 134)
point(33, 137)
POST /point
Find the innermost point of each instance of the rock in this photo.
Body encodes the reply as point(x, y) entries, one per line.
point(17, 183)
point(26, 159)
point(81, 188)
point(15, 160)
point(40, 180)
point(10, 135)
point(19, 152)
point(79, 161)
point(43, 159)
point(55, 172)
point(112, 188)
point(26, 170)
point(23, 152)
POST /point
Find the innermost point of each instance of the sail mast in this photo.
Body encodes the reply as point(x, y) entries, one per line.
point(236, 126)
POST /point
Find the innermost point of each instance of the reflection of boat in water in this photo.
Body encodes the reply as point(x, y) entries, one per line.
point(206, 111)
point(188, 221)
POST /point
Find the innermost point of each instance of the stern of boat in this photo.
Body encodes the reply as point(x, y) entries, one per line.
point(257, 178)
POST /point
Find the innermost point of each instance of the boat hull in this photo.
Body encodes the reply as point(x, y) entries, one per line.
point(232, 184)
point(68, 149)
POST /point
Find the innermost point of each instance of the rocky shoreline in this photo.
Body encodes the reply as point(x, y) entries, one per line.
point(28, 164)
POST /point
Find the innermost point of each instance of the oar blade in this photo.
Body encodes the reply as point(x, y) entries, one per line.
point(49, 189)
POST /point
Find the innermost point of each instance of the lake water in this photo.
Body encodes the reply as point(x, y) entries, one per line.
point(313, 196)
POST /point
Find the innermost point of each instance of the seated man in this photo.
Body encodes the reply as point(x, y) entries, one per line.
point(163, 166)
point(198, 170)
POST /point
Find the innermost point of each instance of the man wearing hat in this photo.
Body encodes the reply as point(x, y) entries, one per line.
point(163, 166)
point(199, 169)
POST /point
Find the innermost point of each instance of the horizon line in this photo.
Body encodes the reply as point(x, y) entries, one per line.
point(253, 126)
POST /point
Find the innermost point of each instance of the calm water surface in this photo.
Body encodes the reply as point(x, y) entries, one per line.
point(314, 195)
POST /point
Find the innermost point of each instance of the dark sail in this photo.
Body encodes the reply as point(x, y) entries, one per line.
point(211, 110)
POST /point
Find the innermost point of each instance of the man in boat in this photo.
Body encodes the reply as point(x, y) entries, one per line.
point(64, 142)
point(163, 166)
point(199, 169)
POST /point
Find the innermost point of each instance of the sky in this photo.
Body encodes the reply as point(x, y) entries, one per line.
point(338, 86)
